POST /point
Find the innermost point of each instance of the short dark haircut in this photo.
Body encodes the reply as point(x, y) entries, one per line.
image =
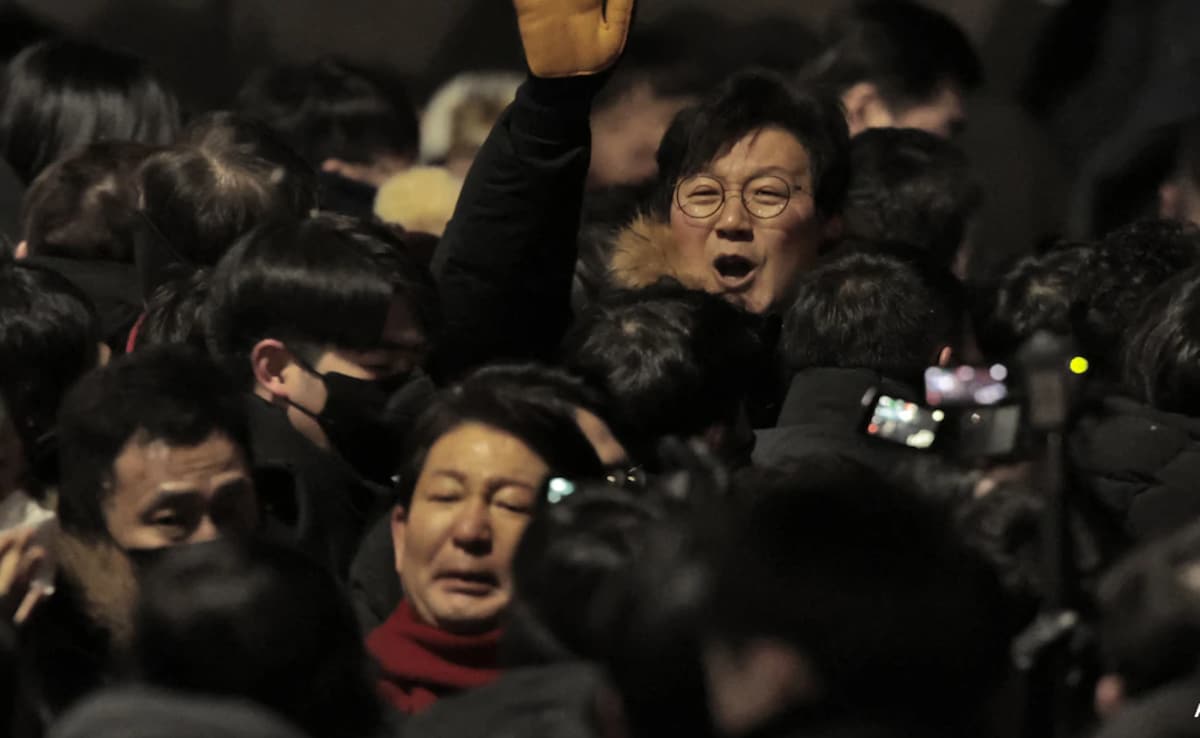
point(869, 583)
point(1092, 292)
point(260, 622)
point(869, 309)
point(674, 362)
point(326, 281)
point(173, 394)
point(61, 95)
point(175, 312)
point(201, 200)
point(49, 338)
point(83, 206)
point(911, 187)
point(222, 132)
point(546, 427)
point(905, 49)
point(332, 109)
point(554, 385)
point(1162, 359)
point(1150, 621)
point(751, 101)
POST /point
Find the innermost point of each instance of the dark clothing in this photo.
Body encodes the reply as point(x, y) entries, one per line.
point(823, 414)
point(312, 497)
point(505, 265)
point(554, 701)
point(1140, 465)
point(12, 191)
point(374, 584)
point(113, 287)
point(336, 194)
point(148, 713)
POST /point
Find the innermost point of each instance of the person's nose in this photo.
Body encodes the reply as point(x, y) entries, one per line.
point(472, 530)
point(206, 531)
point(734, 223)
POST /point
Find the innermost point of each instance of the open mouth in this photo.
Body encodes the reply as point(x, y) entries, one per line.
point(470, 582)
point(733, 269)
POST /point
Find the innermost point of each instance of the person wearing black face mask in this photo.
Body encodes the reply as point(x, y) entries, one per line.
point(327, 322)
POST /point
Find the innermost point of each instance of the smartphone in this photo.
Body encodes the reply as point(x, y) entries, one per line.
point(900, 421)
point(988, 432)
point(966, 385)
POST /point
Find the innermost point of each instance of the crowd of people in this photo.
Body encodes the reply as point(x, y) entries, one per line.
point(620, 399)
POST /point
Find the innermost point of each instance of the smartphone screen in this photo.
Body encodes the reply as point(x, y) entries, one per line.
point(901, 421)
point(966, 385)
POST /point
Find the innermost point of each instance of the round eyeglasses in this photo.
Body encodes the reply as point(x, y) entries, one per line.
point(703, 196)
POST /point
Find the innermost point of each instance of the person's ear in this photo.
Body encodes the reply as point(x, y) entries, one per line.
point(269, 360)
point(945, 356)
point(1110, 695)
point(865, 108)
point(399, 529)
point(22, 251)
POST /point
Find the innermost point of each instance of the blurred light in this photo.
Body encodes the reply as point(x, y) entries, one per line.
point(559, 489)
point(999, 372)
point(938, 416)
point(1079, 365)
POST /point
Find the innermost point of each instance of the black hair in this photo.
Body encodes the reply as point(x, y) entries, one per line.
point(222, 132)
point(61, 95)
point(553, 385)
point(173, 394)
point(201, 200)
point(175, 312)
point(669, 57)
point(49, 338)
point(568, 558)
point(909, 186)
point(868, 583)
point(675, 362)
point(260, 622)
point(325, 281)
point(904, 48)
point(1150, 613)
point(83, 206)
point(751, 101)
point(1092, 292)
point(332, 109)
point(547, 427)
point(871, 309)
point(1162, 359)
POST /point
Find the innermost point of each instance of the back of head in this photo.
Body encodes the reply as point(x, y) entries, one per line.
point(49, 337)
point(1162, 358)
point(169, 394)
point(259, 622)
point(223, 132)
point(61, 95)
point(202, 200)
point(902, 47)
point(872, 310)
point(674, 362)
point(83, 206)
point(754, 100)
point(892, 616)
point(1150, 613)
point(175, 312)
point(331, 110)
point(327, 281)
point(912, 187)
point(138, 712)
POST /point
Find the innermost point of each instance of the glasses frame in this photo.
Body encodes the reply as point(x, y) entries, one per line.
point(725, 192)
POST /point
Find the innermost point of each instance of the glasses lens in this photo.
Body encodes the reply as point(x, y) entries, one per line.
point(766, 197)
point(700, 197)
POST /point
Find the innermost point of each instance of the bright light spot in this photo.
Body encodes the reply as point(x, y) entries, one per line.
point(999, 372)
point(1079, 365)
point(938, 416)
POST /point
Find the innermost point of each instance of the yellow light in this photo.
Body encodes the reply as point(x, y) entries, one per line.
point(1079, 365)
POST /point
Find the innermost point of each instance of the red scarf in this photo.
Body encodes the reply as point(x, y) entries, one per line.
point(422, 664)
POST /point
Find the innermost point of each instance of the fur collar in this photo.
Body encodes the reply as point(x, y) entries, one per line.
point(104, 583)
point(644, 253)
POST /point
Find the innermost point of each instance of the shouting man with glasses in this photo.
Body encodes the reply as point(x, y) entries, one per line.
point(756, 176)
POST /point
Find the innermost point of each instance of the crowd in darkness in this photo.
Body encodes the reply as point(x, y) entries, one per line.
point(626, 397)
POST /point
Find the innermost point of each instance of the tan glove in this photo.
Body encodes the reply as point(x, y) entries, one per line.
point(573, 38)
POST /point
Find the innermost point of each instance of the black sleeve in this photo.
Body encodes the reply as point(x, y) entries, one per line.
point(505, 265)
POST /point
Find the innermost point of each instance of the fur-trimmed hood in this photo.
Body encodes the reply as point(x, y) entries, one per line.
point(645, 252)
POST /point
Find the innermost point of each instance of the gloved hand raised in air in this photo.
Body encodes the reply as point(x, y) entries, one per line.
point(573, 38)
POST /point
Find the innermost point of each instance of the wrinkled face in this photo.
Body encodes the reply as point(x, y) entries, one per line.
point(454, 545)
point(165, 495)
point(944, 114)
point(750, 260)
